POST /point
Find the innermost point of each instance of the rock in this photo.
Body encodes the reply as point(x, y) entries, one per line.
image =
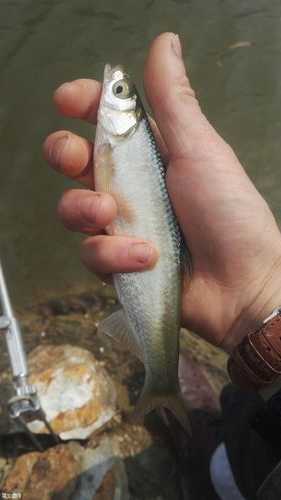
point(152, 471)
point(5, 465)
point(125, 463)
point(71, 304)
point(125, 440)
point(58, 307)
point(202, 372)
point(76, 393)
point(152, 468)
point(69, 471)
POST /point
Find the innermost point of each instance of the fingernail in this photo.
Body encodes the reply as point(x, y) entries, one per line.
point(57, 149)
point(176, 45)
point(141, 252)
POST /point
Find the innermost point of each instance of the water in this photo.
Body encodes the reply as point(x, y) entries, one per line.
point(44, 43)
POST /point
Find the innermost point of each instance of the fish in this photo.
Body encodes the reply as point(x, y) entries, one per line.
point(128, 166)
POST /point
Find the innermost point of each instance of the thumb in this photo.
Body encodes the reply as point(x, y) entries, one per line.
point(186, 131)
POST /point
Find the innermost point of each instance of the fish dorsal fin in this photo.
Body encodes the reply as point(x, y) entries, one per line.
point(116, 326)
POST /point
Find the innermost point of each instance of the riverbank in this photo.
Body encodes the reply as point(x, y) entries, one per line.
point(71, 319)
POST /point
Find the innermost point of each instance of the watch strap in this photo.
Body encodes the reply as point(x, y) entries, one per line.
point(256, 362)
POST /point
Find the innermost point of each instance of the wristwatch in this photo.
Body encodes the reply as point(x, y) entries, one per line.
point(255, 363)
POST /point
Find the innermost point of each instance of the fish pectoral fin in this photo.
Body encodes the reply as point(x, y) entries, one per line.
point(116, 326)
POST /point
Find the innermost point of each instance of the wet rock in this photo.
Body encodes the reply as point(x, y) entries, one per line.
point(58, 307)
point(151, 467)
point(154, 475)
point(5, 465)
point(69, 471)
point(127, 462)
point(202, 372)
point(76, 393)
point(72, 304)
point(125, 440)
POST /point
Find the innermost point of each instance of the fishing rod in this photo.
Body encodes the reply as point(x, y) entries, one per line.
point(25, 405)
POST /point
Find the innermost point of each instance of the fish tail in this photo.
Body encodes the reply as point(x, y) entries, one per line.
point(150, 401)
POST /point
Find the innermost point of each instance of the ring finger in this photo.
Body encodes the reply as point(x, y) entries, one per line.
point(86, 211)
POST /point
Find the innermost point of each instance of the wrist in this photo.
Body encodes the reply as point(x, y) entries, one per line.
point(267, 298)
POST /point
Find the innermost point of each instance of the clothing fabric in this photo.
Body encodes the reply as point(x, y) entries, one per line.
point(222, 476)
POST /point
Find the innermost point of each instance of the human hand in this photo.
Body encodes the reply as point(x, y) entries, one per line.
point(230, 231)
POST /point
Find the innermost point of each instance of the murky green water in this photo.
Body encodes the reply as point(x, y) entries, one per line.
point(46, 42)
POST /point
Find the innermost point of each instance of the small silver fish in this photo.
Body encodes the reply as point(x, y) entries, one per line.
point(129, 167)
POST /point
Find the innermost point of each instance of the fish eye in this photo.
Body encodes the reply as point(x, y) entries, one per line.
point(122, 89)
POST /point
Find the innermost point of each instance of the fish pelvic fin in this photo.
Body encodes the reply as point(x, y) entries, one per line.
point(149, 401)
point(116, 327)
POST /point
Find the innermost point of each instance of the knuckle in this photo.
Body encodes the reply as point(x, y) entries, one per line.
point(180, 92)
point(184, 90)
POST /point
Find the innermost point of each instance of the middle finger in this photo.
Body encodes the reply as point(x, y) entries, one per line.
point(86, 211)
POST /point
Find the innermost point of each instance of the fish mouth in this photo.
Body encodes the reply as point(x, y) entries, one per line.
point(114, 72)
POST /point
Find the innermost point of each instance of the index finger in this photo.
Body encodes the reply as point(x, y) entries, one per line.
point(79, 99)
